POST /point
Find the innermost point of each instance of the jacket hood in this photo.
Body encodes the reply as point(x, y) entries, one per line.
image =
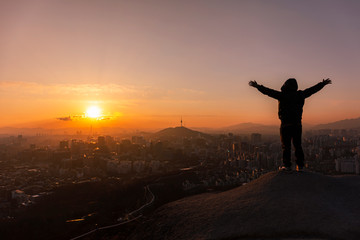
point(290, 85)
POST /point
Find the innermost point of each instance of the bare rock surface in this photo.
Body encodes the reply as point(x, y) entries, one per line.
point(276, 206)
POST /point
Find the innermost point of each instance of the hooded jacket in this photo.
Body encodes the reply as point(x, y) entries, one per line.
point(291, 100)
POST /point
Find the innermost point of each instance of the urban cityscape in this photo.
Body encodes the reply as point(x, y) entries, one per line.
point(34, 167)
point(179, 120)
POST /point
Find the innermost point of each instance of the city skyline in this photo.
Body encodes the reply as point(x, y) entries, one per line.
point(147, 63)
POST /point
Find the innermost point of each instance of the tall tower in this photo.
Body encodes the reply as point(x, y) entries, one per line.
point(181, 122)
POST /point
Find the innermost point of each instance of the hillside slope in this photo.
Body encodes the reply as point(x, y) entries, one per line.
point(275, 206)
point(343, 124)
point(178, 132)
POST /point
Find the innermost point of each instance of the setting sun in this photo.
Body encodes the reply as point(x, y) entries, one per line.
point(93, 112)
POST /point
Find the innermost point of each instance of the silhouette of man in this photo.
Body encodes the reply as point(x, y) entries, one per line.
point(291, 102)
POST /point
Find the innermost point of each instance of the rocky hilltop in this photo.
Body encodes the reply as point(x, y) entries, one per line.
point(276, 206)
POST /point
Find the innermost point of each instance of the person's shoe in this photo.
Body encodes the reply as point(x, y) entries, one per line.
point(285, 169)
point(299, 169)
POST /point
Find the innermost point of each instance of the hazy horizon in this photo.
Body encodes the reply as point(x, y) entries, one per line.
point(93, 127)
point(149, 63)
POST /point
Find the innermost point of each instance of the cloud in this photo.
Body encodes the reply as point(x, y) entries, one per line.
point(85, 91)
point(81, 117)
point(71, 118)
point(63, 100)
point(192, 91)
point(64, 118)
point(40, 90)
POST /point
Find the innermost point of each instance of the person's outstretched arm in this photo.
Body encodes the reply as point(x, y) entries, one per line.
point(264, 90)
point(314, 89)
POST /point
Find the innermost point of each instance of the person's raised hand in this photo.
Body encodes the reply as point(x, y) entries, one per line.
point(253, 84)
point(327, 81)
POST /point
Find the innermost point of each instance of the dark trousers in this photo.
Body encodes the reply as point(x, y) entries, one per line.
point(287, 133)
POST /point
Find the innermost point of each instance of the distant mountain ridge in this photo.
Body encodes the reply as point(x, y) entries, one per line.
point(246, 128)
point(353, 123)
point(242, 128)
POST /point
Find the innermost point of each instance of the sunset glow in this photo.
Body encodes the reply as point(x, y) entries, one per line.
point(93, 112)
point(114, 109)
point(113, 55)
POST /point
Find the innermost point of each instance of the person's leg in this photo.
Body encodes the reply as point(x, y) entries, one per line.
point(299, 154)
point(285, 136)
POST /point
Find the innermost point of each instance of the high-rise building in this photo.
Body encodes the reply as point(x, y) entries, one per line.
point(255, 138)
point(64, 145)
point(101, 141)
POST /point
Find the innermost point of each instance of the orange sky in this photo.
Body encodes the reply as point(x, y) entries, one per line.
point(147, 63)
